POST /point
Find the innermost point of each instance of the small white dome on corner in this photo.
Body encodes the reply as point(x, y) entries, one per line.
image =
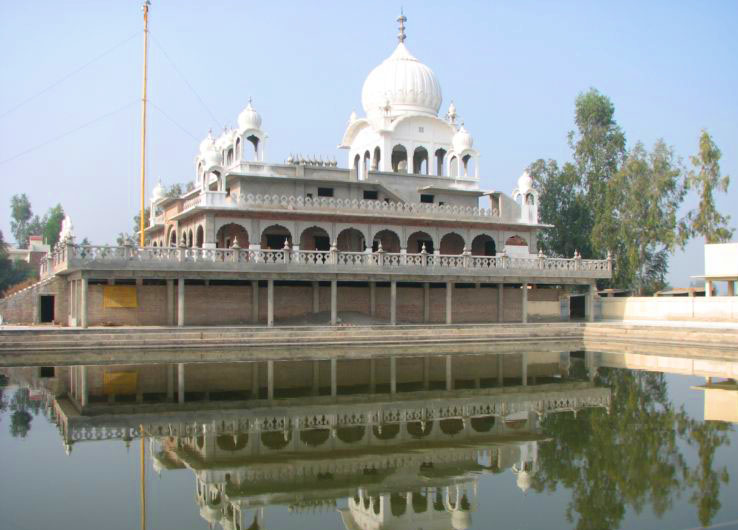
point(525, 182)
point(249, 119)
point(158, 191)
point(207, 143)
point(462, 140)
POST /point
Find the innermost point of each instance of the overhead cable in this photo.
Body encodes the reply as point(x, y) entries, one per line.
point(67, 133)
point(192, 89)
point(67, 76)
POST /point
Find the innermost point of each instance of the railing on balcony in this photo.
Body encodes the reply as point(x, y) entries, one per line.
point(289, 202)
point(70, 256)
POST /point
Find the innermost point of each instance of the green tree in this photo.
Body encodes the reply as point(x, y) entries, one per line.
point(643, 200)
point(564, 206)
point(705, 178)
point(11, 272)
point(21, 214)
point(51, 224)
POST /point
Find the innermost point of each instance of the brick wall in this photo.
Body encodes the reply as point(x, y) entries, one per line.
point(231, 304)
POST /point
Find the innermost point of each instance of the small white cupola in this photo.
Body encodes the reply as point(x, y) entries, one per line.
point(526, 195)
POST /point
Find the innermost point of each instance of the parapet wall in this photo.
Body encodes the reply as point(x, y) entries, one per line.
point(715, 309)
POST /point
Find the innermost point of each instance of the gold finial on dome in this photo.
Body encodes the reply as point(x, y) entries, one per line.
point(401, 19)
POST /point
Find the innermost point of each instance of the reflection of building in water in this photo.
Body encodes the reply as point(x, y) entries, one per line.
point(394, 442)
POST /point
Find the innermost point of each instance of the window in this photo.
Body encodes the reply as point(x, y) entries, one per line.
point(371, 195)
point(325, 192)
point(421, 129)
point(426, 198)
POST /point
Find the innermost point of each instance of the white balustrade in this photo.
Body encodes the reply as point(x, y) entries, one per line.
point(218, 199)
point(69, 256)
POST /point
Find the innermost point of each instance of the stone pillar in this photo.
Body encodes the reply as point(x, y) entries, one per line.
point(270, 303)
point(449, 374)
point(500, 374)
point(180, 302)
point(255, 380)
point(170, 302)
point(524, 369)
point(393, 302)
point(181, 383)
point(170, 383)
point(393, 375)
point(83, 303)
point(334, 302)
point(426, 302)
point(270, 380)
point(500, 299)
point(731, 288)
point(449, 302)
point(334, 378)
point(255, 301)
point(84, 395)
point(372, 298)
point(316, 297)
point(72, 315)
point(708, 287)
point(525, 302)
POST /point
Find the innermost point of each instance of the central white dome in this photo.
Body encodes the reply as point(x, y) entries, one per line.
point(405, 83)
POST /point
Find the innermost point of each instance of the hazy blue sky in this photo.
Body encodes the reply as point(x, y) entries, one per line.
point(512, 68)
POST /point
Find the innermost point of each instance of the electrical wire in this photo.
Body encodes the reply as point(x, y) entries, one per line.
point(171, 62)
point(67, 133)
point(172, 120)
point(68, 75)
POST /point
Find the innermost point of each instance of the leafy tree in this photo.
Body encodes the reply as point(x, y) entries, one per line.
point(643, 199)
point(51, 224)
point(21, 417)
point(563, 206)
point(21, 214)
point(12, 272)
point(705, 178)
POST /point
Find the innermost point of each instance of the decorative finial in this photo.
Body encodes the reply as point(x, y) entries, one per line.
point(401, 19)
point(250, 100)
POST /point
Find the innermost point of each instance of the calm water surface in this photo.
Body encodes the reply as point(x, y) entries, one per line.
point(516, 441)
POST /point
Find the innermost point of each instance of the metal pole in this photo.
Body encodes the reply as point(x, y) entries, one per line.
point(143, 118)
point(143, 478)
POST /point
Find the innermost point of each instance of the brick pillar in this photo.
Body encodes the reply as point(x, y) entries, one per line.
point(525, 303)
point(334, 302)
point(270, 303)
point(83, 303)
point(180, 302)
point(500, 300)
point(393, 302)
point(449, 302)
point(83, 384)
point(524, 369)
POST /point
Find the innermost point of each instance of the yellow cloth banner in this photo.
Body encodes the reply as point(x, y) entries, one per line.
point(120, 296)
point(120, 382)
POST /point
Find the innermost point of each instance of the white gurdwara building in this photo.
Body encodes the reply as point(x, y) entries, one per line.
point(400, 227)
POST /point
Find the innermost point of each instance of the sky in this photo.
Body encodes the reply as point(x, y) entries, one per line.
point(71, 87)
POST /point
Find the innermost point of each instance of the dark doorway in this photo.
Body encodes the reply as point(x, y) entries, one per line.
point(576, 307)
point(275, 242)
point(322, 243)
point(47, 308)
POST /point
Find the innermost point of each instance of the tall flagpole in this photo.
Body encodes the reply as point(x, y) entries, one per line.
point(145, 8)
